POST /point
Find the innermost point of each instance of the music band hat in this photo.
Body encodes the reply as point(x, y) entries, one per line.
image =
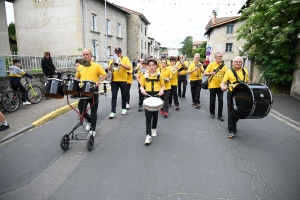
point(118, 50)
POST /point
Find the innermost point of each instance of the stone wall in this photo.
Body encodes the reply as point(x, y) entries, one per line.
point(295, 89)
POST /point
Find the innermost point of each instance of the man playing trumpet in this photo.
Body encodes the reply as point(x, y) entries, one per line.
point(182, 71)
point(174, 83)
point(195, 70)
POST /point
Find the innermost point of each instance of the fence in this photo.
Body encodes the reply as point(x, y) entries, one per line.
point(31, 62)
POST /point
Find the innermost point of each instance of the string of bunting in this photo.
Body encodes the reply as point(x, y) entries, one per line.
point(182, 2)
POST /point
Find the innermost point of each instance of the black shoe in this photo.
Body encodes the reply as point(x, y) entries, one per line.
point(221, 118)
point(140, 108)
point(212, 115)
point(3, 127)
point(231, 135)
point(197, 105)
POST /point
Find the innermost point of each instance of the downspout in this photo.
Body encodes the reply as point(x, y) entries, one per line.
point(83, 29)
point(106, 53)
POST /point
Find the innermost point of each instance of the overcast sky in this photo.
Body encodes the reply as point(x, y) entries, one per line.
point(171, 21)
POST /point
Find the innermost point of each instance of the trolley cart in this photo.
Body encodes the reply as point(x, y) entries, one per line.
point(73, 136)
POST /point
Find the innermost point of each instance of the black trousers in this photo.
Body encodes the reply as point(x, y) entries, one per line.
point(174, 95)
point(151, 118)
point(232, 119)
point(17, 85)
point(182, 80)
point(165, 98)
point(51, 75)
point(114, 90)
point(141, 96)
point(128, 93)
point(82, 105)
point(212, 97)
point(195, 90)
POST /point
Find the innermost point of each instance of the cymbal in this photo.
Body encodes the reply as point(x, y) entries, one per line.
point(84, 62)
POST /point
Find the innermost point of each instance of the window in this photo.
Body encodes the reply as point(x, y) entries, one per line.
point(108, 51)
point(119, 30)
point(38, 0)
point(228, 47)
point(108, 27)
point(141, 28)
point(145, 31)
point(95, 48)
point(94, 23)
point(145, 45)
point(229, 29)
point(142, 44)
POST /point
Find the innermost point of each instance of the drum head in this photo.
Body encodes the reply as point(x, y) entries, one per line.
point(242, 101)
point(153, 101)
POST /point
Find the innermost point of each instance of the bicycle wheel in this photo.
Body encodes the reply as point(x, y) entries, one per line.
point(34, 94)
point(10, 101)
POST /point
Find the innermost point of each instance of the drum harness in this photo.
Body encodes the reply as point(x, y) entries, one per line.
point(152, 81)
point(237, 78)
point(215, 70)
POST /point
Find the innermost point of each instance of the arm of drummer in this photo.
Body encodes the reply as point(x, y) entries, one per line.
point(224, 81)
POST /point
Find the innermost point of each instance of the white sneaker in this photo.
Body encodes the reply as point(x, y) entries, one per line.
point(26, 103)
point(153, 133)
point(148, 139)
point(92, 133)
point(88, 127)
point(112, 115)
point(127, 106)
point(123, 112)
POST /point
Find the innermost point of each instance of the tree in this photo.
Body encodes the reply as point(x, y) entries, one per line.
point(12, 31)
point(271, 30)
point(187, 47)
point(162, 49)
point(201, 51)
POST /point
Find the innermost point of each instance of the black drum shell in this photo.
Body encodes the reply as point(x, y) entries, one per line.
point(251, 101)
point(88, 88)
point(53, 88)
point(71, 86)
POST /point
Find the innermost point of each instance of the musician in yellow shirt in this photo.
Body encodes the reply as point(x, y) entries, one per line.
point(92, 73)
point(229, 77)
point(182, 80)
point(119, 80)
point(174, 83)
point(129, 82)
point(141, 71)
point(167, 76)
point(195, 70)
point(153, 84)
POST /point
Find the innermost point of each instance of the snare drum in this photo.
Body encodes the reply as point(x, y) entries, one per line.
point(53, 88)
point(88, 88)
point(71, 86)
point(251, 101)
point(152, 104)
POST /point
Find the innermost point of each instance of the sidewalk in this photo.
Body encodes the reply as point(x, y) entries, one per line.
point(284, 106)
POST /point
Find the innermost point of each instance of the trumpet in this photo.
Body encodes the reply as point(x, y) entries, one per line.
point(174, 69)
point(115, 65)
point(197, 64)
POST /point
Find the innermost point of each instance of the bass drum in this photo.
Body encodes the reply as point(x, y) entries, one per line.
point(54, 88)
point(251, 101)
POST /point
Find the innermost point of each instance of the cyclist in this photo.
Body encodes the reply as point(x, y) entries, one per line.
point(15, 75)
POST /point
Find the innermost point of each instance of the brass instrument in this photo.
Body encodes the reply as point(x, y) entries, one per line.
point(174, 69)
point(115, 65)
point(198, 64)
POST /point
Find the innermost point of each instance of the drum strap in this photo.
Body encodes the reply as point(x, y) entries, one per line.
point(152, 82)
point(237, 78)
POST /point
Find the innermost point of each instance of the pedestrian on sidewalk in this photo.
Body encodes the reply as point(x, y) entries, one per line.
point(4, 125)
point(216, 71)
point(48, 67)
point(15, 75)
point(234, 76)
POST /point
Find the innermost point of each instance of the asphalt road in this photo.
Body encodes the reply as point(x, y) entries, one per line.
point(191, 158)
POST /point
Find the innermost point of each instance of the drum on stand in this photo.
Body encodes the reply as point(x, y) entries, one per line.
point(152, 104)
point(71, 86)
point(88, 88)
point(53, 88)
point(251, 101)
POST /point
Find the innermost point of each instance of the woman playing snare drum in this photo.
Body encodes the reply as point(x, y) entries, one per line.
point(152, 84)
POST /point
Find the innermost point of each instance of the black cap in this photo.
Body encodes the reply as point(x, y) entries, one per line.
point(118, 50)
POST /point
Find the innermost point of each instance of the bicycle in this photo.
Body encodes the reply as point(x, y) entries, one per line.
point(10, 100)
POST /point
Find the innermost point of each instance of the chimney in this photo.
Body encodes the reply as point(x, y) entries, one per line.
point(214, 17)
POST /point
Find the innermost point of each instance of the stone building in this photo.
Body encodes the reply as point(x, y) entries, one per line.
point(67, 27)
point(137, 35)
point(153, 48)
point(197, 44)
point(3, 29)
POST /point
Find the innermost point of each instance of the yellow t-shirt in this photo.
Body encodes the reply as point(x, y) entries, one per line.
point(148, 84)
point(218, 77)
point(129, 75)
point(121, 75)
point(166, 73)
point(141, 72)
point(174, 80)
point(229, 76)
point(193, 76)
point(91, 73)
point(184, 68)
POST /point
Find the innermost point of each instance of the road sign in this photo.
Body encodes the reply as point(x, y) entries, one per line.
point(208, 48)
point(207, 53)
